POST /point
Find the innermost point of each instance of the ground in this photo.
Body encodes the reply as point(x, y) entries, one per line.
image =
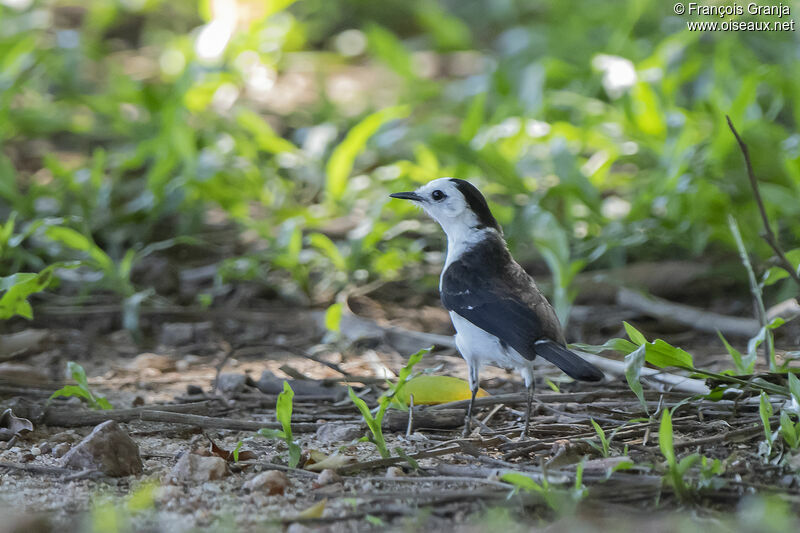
point(450, 482)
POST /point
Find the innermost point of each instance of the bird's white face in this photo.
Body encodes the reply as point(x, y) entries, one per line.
point(443, 201)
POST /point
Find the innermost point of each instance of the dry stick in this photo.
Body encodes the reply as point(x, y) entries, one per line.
point(687, 315)
point(768, 235)
point(210, 422)
point(52, 470)
point(84, 417)
point(389, 461)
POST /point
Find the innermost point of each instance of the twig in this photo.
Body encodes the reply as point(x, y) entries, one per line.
point(687, 315)
point(210, 422)
point(768, 235)
point(52, 471)
point(84, 417)
point(389, 461)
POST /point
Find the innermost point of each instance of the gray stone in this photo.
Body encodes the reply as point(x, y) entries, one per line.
point(336, 432)
point(198, 468)
point(271, 482)
point(231, 383)
point(107, 449)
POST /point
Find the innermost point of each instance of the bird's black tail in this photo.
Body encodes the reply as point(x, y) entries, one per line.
point(569, 362)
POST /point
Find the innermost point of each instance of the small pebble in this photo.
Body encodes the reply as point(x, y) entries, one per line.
point(326, 477)
point(394, 471)
point(45, 448)
point(60, 449)
point(36, 451)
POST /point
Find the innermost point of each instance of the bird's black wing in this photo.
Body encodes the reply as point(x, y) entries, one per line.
point(507, 304)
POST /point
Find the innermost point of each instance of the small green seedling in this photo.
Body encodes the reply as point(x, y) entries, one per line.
point(283, 413)
point(605, 442)
point(560, 500)
point(236, 450)
point(81, 390)
point(765, 412)
point(675, 470)
point(374, 423)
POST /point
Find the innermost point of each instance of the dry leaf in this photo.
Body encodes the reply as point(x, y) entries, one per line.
point(322, 462)
point(315, 511)
point(11, 425)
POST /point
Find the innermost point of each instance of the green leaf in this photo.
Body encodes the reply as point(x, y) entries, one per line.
point(789, 431)
point(662, 354)
point(388, 48)
point(634, 334)
point(474, 119)
point(665, 438)
point(77, 241)
point(264, 136)
point(18, 287)
point(271, 433)
point(333, 317)
point(794, 386)
point(623, 346)
point(521, 481)
point(81, 390)
point(69, 391)
point(324, 244)
point(340, 164)
point(743, 365)
point(634, 362)
point(410, 460)
point(765, 412)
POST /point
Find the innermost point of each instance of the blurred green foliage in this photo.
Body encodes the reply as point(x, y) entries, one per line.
point(596, 129)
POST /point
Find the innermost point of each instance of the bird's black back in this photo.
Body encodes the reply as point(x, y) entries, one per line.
point(488, 288)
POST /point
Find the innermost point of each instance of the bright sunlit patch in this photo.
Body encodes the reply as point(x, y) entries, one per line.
point(172, 62)
point(213, 39)
point(615, 208)
point(224, 97)
point(19, 5)
point(350, 43)
point(619, 74)
point(536, 128)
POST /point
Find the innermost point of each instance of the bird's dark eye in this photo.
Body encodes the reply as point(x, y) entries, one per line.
point(438, 195)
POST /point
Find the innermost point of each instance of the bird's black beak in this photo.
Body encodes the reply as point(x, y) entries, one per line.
point(407, 196)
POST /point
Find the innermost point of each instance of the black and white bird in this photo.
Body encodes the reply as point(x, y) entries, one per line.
point(499, 314)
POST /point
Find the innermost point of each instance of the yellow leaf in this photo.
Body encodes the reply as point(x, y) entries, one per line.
point(315, 511)
point(432, 390)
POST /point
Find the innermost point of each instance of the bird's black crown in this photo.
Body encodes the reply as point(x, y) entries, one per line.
point(477, 203)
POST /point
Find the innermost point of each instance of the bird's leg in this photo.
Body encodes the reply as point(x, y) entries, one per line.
point(474, 383)
point(528, 412)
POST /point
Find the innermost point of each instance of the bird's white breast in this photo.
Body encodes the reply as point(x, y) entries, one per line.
point(479, 347)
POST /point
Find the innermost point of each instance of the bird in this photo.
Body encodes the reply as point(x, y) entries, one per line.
point(499, 314)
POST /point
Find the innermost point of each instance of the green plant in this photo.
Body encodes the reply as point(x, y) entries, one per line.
point(560, 500)
point(605, 443)
point(765, 413)
point(283, 413)
point(676, 471)
point(81, 390)
point(374, 422)
point(790, 431)
point(755, 290)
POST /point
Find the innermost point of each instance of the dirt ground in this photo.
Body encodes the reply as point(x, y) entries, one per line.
point(450, 482)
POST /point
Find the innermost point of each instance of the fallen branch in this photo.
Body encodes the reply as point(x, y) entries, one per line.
point(689, 316)
point(84, 417)
point(768, 235)
point(211, 422)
